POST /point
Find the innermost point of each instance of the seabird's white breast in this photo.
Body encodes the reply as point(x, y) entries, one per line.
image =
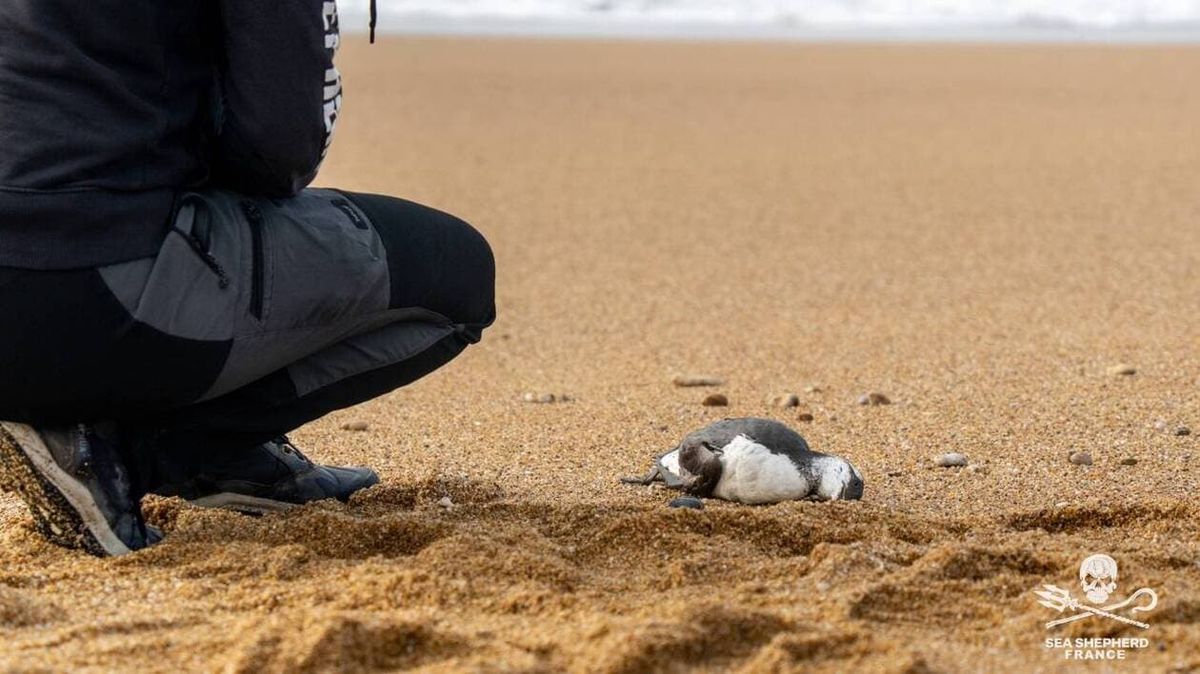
point(754, 474)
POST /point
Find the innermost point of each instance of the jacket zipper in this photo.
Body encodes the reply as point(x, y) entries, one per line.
point(255, 218)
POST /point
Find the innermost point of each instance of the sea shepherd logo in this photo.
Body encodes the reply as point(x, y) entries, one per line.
point(1098, 579)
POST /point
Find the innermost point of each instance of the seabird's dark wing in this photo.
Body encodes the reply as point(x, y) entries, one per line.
point(767, 432)
point(716, 434)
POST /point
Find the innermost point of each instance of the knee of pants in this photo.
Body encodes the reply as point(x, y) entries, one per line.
point(437, 261)
point(473, 300)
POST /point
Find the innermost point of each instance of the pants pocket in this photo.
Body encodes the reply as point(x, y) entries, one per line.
point(313, 263)
point(188, 289)
point(193, 223)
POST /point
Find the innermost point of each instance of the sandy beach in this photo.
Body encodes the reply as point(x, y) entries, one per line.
point(982, 233)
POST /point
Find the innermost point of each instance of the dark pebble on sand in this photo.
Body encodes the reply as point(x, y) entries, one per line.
point(355, 426)
point(874, 399)
point(805, 416)
point(687, 502)
point(716, 400)
point(1183, 430)
point(1129, 462)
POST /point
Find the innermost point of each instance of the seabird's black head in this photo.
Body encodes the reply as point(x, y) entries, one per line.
point(854, 489)
point(835, 478)
point(700, 467)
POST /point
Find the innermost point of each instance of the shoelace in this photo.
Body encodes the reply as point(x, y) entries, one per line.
point(288, 448)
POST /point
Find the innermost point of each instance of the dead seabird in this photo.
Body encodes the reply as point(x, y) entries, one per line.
point(753, 461)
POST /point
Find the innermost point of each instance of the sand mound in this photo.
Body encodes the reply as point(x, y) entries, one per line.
point(24, 608)
point(341, 642)
point(704, 635)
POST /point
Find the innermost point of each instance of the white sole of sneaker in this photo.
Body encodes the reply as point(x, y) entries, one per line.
point(64, 507)
point(241, 502)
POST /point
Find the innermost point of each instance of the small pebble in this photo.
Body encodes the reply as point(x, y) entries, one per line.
point(950, 460)
point(976, 468)
point(715, 400)
point(1183, 430)
point(895, 473)
point(874, 399)
point(1129, 461)
point(540, 398)
point(813, 389)
point(786, 400)
point(1080, 458)
point(697, 380)
point(805, 416)
point(1122, 370)
point(1160, 425)
point(688, 502)
point(446, 503)
point(355, 426)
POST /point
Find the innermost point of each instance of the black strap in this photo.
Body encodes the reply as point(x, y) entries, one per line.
point(373, 16)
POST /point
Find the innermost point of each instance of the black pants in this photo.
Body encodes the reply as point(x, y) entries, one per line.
point(255, 317)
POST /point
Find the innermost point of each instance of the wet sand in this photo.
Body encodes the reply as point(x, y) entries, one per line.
point(980, 233)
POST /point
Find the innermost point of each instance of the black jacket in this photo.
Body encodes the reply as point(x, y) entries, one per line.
point(110, 108)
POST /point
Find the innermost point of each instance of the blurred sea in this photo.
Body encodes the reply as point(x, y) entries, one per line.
point(956, 20)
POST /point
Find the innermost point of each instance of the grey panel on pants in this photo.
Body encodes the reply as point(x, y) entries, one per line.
point(320, 267)
point(369, 351)
point(176, 292)
point(307, 276)
point(324, 279)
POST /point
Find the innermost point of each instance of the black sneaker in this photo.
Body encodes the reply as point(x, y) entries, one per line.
point(270, 477)
point(76, 485)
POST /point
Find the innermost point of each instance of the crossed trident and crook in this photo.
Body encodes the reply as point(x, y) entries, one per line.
point(1060, 600)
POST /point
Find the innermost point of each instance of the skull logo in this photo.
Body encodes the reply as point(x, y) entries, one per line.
point(1098, 576)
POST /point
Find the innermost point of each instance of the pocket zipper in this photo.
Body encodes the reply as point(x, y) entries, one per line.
point(255, 218)
point(206, 257)
point(200, 243)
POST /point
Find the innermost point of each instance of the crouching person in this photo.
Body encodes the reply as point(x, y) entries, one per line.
point(175, 300)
